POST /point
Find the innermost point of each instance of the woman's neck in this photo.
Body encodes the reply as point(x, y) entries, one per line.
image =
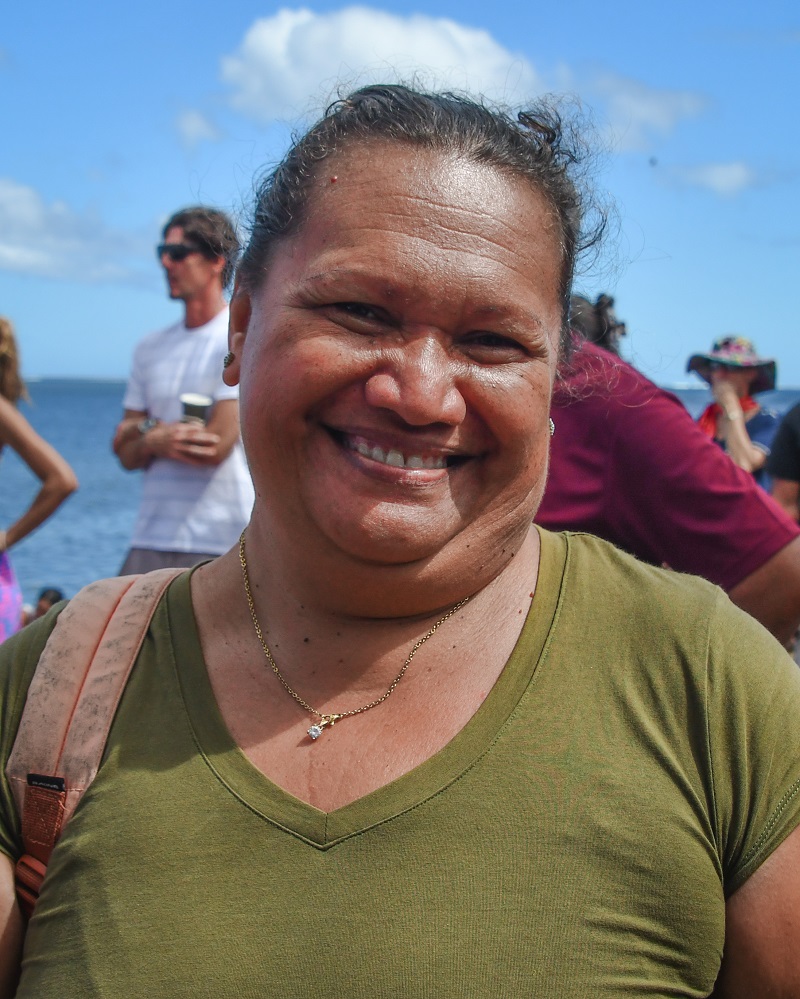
point(335, 647)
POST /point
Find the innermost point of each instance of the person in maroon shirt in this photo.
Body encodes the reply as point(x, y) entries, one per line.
point(629, 464)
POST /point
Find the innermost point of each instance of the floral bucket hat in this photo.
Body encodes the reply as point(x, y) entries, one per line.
point(735, 352)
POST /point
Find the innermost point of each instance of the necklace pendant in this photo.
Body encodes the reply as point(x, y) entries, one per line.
point(319, 727)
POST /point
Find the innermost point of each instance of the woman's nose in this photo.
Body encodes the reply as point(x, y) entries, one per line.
point(420, 384)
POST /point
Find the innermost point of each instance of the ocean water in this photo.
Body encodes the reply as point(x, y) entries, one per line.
point(88, 536)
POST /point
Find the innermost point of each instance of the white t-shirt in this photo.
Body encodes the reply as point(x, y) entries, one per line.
point(184, 507)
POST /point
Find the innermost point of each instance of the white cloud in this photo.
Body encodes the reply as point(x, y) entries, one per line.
point(288, 61)
point(637, 111)
point(50, 240)
point(194, 128)
point(726, 179)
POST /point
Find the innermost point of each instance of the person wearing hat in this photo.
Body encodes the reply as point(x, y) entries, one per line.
point(735, 420)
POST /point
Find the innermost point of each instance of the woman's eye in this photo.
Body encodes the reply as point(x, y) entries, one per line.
point(359, 311)
point(488, 345)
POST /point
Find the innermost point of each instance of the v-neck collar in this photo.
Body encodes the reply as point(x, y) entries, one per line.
point(324, 829)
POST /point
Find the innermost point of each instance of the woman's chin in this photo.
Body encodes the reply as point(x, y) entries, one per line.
point(397, 540)
point(393, 537)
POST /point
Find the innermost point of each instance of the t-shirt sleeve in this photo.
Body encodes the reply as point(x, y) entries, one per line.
point(135, 395)
point(762, 431)
point(784, 458)
point(679, 498)
point(753, 733)
point(19, 656)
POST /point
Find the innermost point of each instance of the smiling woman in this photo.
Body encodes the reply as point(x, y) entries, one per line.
point(443, 766)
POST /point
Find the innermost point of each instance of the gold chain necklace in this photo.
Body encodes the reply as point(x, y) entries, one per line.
point(330, 718)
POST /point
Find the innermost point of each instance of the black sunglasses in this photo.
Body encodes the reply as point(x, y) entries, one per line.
point(175, 251)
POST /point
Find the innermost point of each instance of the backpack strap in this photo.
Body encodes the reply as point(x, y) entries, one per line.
point(70, 705)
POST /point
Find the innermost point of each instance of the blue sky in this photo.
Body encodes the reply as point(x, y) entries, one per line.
point(116, 115)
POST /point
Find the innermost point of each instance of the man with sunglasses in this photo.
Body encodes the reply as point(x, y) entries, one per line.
point(197, 493)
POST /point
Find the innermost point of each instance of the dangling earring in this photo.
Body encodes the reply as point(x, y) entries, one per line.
point(552, 427)
point(228, 360)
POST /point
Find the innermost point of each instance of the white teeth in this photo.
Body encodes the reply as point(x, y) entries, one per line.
point(394, 457)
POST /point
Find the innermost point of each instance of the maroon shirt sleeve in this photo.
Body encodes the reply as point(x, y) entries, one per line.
point(629, 464)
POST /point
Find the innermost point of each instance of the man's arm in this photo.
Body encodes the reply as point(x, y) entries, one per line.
point(786, 494)
point(190, 443)
point(11, 930)
point(128, 443)
point(762, 931)
point(771, 594)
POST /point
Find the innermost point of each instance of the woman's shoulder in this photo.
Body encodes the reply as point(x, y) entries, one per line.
point(682, 626)
point(595, 561)
point(662, 609)
point(20, 654)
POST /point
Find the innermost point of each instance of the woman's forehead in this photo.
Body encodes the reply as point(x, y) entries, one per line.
point(401, 170)
point(411, 240)
point(429, 203)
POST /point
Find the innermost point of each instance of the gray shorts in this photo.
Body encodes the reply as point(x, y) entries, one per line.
point(145, 559)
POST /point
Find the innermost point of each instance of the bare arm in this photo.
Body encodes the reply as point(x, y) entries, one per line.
point(787, 495)
point(189, 443)
point(771, 594)
point(11, 930)
point(762, 931)
point(57, 478)
point(128, 444)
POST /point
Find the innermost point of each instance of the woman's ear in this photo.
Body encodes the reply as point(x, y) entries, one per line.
point(237, 334)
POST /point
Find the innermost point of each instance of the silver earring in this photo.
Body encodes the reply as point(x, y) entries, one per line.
point(552, 427)
point(228, 360)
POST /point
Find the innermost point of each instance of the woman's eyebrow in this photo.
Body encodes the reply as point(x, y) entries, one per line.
point(391, 288)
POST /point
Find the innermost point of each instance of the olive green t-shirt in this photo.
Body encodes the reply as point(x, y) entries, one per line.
point(637, 760)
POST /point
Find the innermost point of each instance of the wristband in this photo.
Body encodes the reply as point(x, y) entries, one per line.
point(736, 415)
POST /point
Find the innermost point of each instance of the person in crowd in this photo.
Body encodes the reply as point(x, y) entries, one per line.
point(57, 479)
point(47, 598)
point(631, 465)
point(392, 743)
point(783, 463)
point(597, 321)
point(735, 420)
point(197, 492)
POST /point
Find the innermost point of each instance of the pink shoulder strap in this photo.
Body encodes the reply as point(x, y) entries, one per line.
point(71, 704)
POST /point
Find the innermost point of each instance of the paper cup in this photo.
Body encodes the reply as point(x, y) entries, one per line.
point(195, 407)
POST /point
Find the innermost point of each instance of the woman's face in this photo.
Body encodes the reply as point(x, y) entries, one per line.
point(396, 362)
point(740, 379)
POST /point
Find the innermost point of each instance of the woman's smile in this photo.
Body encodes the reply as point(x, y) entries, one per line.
point(388, 450)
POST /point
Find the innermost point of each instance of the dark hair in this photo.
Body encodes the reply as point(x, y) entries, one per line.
point(596, 321)
point(51, 595)
point(213, 233)
point(533, 145)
